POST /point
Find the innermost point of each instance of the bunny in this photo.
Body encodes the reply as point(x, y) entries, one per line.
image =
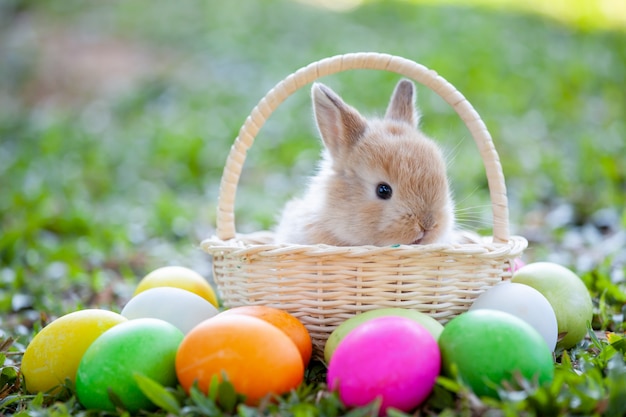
point(380, 181)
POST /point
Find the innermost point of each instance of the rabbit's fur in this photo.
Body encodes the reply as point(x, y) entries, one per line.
point(380, 181)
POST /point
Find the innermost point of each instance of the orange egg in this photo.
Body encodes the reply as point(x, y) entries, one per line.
point(284, 321)
point(255, 356)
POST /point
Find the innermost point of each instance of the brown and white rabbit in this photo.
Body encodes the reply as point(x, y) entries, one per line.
point(380, 181)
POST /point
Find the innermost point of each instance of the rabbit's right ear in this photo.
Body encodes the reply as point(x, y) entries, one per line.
point(340, 125)
point(402, 104)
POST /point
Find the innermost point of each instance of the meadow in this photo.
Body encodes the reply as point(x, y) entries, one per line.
point(116, 119)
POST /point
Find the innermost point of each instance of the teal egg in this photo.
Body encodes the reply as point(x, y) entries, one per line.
point(143, 346)
point(489, 347)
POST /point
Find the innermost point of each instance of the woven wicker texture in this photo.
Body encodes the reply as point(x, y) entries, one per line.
point(325, 285)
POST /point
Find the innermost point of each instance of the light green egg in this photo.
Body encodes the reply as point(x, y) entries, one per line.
point(567, 294)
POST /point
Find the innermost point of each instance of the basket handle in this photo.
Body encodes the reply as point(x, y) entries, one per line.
point(373, 61)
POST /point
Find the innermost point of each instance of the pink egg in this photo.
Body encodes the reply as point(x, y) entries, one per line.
point(517, 264)
point(392, 358)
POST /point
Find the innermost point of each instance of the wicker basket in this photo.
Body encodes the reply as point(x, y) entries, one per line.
point(325, 285)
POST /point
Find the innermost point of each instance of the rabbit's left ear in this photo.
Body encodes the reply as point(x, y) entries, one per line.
point(340, 125)
point(402, 104)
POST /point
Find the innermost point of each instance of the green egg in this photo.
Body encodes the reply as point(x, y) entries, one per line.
point(429, 323)
point(143, 346)
point(488, 348)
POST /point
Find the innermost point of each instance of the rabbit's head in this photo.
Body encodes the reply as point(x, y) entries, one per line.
point(383, 181)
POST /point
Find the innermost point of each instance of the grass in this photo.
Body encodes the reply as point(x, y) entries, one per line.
point(116, 119)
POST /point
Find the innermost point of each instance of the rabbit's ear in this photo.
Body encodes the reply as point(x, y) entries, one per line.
point(402, 104)
point(340, 125)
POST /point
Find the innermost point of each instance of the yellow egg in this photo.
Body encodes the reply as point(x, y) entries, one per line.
point(55, 352)
point(178, 277)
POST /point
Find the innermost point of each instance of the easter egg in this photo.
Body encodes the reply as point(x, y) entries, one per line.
point(392, 358)
point(143, 346)
point(524, 302)
point(256, 357)
point(517, 264)
point(489, 347)
point(284, 321)
point(567, 294)
point(178, 277)
point(181, 308)
point(433, 326)
point(55, 352)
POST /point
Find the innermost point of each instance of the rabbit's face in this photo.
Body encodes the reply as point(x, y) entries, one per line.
point(391, 189)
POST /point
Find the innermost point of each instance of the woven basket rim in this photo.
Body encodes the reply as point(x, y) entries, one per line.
point(251, 242)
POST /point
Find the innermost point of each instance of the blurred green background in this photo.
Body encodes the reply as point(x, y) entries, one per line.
point(116, 119)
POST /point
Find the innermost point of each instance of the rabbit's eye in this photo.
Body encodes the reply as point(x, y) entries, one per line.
point(383, 191)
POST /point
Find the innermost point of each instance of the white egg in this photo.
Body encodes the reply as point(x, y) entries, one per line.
point(524, 302)
point(179, 307)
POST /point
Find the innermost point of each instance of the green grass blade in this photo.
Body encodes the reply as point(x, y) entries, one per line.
point(157, 394)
